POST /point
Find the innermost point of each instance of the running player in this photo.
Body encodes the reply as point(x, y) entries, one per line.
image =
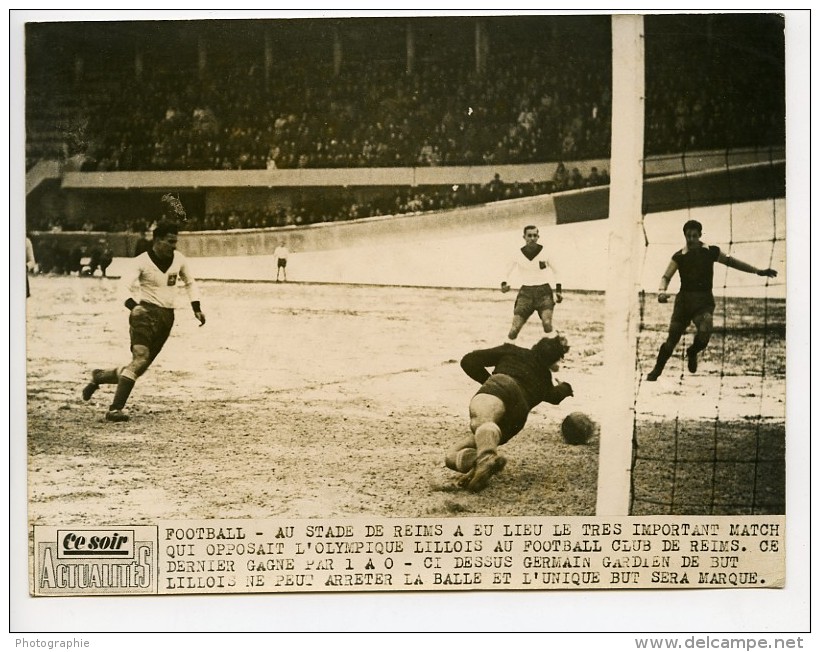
point(521, 379)
point(537, 274)
point(695, 302)
point(153, 280)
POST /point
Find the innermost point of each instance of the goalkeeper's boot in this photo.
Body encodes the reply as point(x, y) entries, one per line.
point(487, 465)
point(464, 481)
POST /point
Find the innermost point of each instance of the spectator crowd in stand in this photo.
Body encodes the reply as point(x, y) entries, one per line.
point(345, 205)
point(54, 257)
point(522, 109)
point(527, 106)
point(366, 116)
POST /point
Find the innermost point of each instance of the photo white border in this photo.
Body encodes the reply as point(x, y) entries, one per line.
point(725, 610)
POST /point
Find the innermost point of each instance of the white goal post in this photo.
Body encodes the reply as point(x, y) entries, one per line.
point(621, 304)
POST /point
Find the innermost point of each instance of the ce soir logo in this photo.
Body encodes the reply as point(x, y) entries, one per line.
point(99, 544)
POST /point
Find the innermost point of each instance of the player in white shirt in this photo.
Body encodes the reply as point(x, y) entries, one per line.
point(31, 263)
point(151, 299)
point(537, 275)
point(281, 254)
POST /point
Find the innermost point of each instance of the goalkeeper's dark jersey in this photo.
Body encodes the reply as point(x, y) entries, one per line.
point(696, 268)
point(532, 374)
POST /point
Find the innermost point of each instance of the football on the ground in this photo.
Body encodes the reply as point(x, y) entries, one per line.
point(577, 428)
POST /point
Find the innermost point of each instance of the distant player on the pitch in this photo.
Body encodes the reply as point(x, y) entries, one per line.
point(31, 264)
point(695, 302)
point(281, 254)
point(521, 379)
point(537, 276)
point(153, 282)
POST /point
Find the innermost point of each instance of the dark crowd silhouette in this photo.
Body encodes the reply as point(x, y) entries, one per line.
point(542, 94)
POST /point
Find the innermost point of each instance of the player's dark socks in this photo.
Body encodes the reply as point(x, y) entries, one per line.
point(124, 387)
point(692, 360)
point(100, 377)
point(105, 376)
point(692, 353)
point(664, 352)
point(88, 391)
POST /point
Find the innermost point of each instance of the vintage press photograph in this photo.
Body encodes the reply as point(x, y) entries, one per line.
point(405, 266)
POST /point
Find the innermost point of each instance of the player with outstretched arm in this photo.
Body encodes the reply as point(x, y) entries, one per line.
point(521, 379)
point(695, 302)
point(153, 281)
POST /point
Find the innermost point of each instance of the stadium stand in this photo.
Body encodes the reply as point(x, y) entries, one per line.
point(250, 95)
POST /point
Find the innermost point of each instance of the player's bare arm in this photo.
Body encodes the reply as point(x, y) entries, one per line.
point(193, 293)
point(558, 294)
point(671, 270)
point(505, 286)
point(734, 263)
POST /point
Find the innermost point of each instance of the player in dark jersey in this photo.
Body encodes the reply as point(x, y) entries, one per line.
point(521, 379)
point(695, 302)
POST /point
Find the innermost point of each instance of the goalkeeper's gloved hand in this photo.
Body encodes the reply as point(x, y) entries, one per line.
point(559, 392)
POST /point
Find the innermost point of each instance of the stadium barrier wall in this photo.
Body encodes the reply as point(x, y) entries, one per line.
point(307, 178)
point(699, 161)
point(331, 235)
point(43, 171)
point(741, 183)
point(208, 179)
point(121, 244)
point(61, 194)
point(710, 187)
point(371, 231)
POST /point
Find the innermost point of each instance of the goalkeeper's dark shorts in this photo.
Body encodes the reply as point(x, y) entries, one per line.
point(151, 327)
point(691, 305)
point(516, 408)
point(533, 298)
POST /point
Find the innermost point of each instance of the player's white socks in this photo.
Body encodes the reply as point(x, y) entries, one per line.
point(465, 460)
point(487, 437)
